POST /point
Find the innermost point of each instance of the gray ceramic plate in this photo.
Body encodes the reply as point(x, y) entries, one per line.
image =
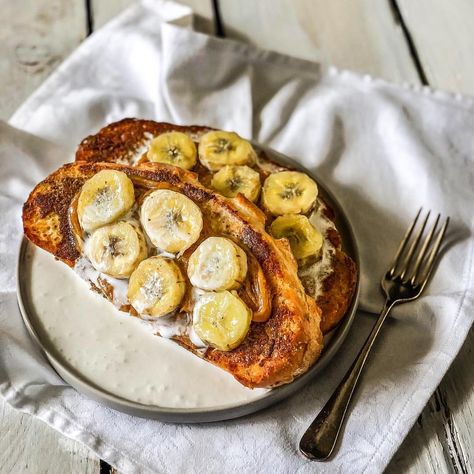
point(197, 415)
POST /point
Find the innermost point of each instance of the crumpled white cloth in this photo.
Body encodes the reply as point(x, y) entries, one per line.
point(383, 149)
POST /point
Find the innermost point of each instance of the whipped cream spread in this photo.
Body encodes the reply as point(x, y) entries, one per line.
point(120, 353)
point(317, 272)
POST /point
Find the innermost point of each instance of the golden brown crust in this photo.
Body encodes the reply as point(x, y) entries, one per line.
point(118, 143)
point(45, 213)
point(274, 351)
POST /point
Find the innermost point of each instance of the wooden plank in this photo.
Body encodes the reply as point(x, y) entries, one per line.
point(36, 37)
point(443, 438)
point(362, 36)
point(442, 33)
point(371, 37)
point(103, 11)
point(458, 391)
point(29, 445)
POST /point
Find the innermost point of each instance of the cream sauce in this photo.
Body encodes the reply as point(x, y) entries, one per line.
point(118, 352)
point(322, 268)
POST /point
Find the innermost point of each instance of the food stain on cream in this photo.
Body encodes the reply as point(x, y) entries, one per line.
point(118, 352)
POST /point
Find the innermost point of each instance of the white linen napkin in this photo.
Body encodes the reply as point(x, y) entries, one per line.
point(383, 150)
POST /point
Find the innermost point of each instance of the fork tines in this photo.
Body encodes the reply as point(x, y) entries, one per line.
point(416, 256)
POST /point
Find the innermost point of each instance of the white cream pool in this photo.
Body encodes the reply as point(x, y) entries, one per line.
point(116, 351)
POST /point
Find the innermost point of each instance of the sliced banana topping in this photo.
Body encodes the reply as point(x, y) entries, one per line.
point(217, 264)
point(104, 198)
point(116, 249)
point(171, 220)
point(232, 180)
point(218, 149)
point(173, 148)
point(289, 192)
point(156, 287)
point(221, 320)
point(305, 240)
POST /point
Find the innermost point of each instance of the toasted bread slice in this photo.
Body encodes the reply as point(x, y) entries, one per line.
point(274, 352)
point(127, 141)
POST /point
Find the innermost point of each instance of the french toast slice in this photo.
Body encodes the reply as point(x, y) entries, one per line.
point(274, 352)
point(126, 142)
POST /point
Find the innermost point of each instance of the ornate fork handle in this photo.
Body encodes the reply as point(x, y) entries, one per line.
point(320, 438)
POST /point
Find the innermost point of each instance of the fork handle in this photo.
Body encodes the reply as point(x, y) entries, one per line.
point(320, 438)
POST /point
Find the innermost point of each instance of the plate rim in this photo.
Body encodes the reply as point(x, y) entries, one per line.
point(207, 414)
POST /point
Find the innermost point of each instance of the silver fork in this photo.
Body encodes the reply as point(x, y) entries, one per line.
point(404, 281)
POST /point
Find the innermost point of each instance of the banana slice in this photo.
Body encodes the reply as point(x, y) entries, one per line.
point(104, 198)
point(221, 320)
point(289, 192)
point(173, 148)
point(217, 149)
point(116, 249)
point(305, 240)
point(217, 264)
point(232, 180)
point(156, 287)
point(171, 220)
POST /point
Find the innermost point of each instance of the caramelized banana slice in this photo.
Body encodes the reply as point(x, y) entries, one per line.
point(217, 264)
point(173, 148)
point(116, 249)
point(218, 149)
point(156, 287)
point(289, 192)
point(221, 320)
point(104, 198)
point(305, 240)
point(232, 180)
point(171, 220)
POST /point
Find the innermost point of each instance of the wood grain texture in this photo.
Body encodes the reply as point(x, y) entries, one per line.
point(36, 37)
point(102, 11)
point(29, 445)
point(363, 35)
point(442, 440)
point(443, 34)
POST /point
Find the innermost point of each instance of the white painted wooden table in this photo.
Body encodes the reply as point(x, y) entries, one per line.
point(418, 41)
